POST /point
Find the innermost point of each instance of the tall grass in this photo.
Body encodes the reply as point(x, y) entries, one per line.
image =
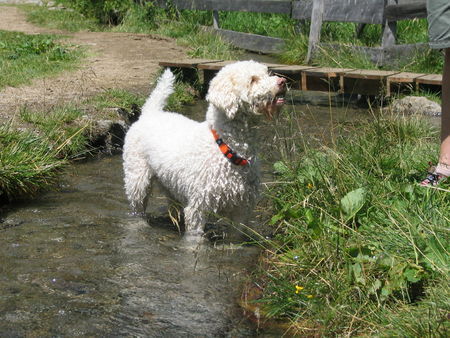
point(28, 163)
point(361, 248)
point(32, 161)
point(62, 127)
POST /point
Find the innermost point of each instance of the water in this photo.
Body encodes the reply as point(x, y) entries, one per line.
point(76, 263)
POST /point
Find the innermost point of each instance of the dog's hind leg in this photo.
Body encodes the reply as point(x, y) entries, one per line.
point(137, 178)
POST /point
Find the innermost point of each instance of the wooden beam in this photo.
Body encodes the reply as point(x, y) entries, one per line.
point(361, 11)
point(279, 7)
point(252, 42)
point(411, 10)
point(186, 63)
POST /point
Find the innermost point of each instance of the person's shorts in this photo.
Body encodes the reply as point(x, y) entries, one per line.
point(439, 23)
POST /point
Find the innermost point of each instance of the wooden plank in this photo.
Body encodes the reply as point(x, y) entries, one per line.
point(293, 69)
point(293, 74)
point(431, 79)
point(273, 65)
point(252, 42)
point(323, 79)
point(280, 7)
point(185, 63)
point(366, 82)
point(369, 74)
point(361, 11)
point(401, 82)
point(411, 10)
point(404, 77)
point(326, 71)
point(214, 65)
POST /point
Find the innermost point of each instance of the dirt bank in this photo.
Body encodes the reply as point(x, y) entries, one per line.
point(115, 60)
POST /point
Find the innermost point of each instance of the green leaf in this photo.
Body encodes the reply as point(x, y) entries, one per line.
point(280, 168)
point(358, 273)
point(353, 202)
point(375, 287)
point(412, 275)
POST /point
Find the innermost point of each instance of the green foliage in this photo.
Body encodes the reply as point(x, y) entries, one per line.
point(184, 94)
point(115, 98)
point(27, 163)
point(276, 25)
point(62, 128)
point(110, 12)
point(23, 57)
point(360, 236)
point(67, 20)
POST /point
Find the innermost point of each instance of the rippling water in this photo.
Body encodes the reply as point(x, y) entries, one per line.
point(76, 263)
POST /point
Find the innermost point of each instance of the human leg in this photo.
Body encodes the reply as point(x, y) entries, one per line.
point(443, 166)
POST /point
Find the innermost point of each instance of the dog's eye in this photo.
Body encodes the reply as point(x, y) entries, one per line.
point(254, 79)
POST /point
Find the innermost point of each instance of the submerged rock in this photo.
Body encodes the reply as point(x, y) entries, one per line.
point(415, 105)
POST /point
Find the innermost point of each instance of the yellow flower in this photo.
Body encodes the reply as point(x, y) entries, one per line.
point(298, 288)
point(310, 186)
point(309, 296)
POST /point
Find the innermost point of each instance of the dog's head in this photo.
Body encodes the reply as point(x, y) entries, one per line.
point(246, 85)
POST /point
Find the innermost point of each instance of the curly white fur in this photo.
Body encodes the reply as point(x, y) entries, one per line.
point(183, 155)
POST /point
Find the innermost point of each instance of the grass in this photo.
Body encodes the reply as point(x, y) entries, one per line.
point(361, 249)
point(62, 127)
point(32, 161)
point(24, 57)
point(71, 21)
point(28, 163)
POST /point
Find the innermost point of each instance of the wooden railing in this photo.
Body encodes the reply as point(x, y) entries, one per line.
point(383, 12)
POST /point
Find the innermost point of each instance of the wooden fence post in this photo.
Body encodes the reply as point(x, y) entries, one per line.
point(316, 25)
point(216, 23)
point(389, 29)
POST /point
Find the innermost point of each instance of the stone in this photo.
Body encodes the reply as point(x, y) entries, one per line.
point(415, 105)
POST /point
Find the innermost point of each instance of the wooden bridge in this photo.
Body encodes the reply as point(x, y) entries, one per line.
point(341, 80)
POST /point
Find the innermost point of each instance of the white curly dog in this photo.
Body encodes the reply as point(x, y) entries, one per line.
point(210, 166)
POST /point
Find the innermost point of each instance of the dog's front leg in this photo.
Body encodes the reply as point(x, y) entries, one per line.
point(194, 219)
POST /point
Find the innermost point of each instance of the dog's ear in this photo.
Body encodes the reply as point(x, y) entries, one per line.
point(221, 95)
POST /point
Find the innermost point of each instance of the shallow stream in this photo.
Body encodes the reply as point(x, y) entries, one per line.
point(76, 263)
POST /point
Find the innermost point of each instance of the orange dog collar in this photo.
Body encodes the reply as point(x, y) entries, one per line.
point(227, 151)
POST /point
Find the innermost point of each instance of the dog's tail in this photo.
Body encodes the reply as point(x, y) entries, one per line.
point(158, 98)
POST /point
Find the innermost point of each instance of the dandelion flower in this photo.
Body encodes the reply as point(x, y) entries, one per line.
point(298, 288)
